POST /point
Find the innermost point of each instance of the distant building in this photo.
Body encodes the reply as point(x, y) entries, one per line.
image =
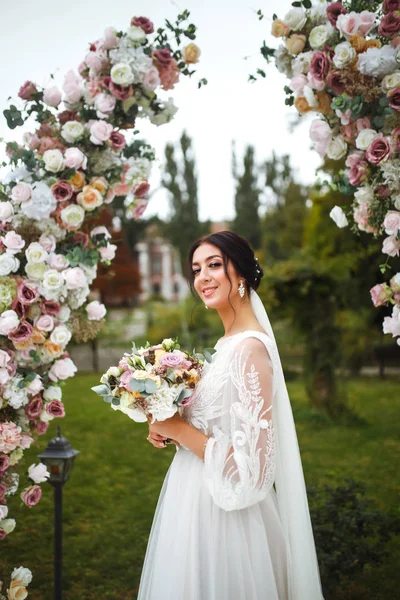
point(160, 268)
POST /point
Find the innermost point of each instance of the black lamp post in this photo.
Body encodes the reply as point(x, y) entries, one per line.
point(59, 458)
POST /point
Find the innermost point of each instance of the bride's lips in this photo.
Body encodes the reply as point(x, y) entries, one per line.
point(207, 292)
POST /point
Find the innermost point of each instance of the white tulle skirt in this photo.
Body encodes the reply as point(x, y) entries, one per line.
point(197, 551)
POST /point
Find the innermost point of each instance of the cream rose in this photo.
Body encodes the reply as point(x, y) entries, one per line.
point(336, 148)
point(136, 34)
point(21, 573)
point(318, 37)
point(73, 216)
point(295, 44)
point(295, 19)
point(35, 271)
point(8, 264)
point(6, 212)
point(35, 253)
point(72, 131)
point(365, 137)
point(53, 161)
point(344, 54)
point(391, 81)
point(53, 282)
point(61, 335)
point(191, 54)
point(122, 74)
point(364, 195)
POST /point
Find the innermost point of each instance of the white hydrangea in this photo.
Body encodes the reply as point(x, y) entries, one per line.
point(41, 204)
point(166, 115)
point(377, 62)
point(15, 395)
point(283, 61)
point(102, 160)
point(301, 64)
point(139, 168)
point(78, 297)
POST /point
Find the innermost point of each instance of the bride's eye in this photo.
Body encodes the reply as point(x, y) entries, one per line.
point(195, 272)
point(215, 264)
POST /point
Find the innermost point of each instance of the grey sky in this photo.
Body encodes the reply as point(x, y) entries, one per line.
point(43, 37)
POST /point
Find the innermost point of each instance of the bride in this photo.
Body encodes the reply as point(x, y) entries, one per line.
point(232, 521)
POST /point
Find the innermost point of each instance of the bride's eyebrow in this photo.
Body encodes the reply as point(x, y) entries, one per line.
point(208, 258)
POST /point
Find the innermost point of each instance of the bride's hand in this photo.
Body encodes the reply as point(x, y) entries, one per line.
point(157, 440)
point(166, 429)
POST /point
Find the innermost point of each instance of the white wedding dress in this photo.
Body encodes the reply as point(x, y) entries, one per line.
point(217, 532)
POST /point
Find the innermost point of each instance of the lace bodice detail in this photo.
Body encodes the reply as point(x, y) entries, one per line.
point(234, 405)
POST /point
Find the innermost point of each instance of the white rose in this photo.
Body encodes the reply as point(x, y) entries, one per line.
point(136, 34)
point(6, 212)
point(35, 253)
point(75, 278)
point(122, 74)
point(45, 416)
point(364, 195)
point(310, 96)
point(113, 372)
point(53, 160)
point(64, 314)
point(365, 137)
point(9, 321)
point(318, 37)
point(391, 81)
point(338, 216)
point(8, 264)
point(38, 473)
point(54, 392)
point(53, 282)
point(73, 215)
point(22, 574)
point(3, 511)
point(301, 64)
point(72, 131)
point(344, 54)
point(35, 271)
point(168, 344)
point(8, 525)
point(337, 148)
point(60, 335)
point(296, 18)
point(58, 262)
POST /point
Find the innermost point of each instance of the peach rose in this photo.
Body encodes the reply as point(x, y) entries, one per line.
point(100, 184)
point(191, 54)
point(89, 198)
point(302, 105)
point(324, 103)
point(359, 43)
point(38, 337)
point(373, 44)
point(17, 591)
point(279, 28)
point(77, 181)
point(53, 350)
point(295, 44)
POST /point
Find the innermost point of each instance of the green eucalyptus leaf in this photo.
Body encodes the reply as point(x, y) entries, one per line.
point(101, 390)
point(150, 386)
point(137, 385)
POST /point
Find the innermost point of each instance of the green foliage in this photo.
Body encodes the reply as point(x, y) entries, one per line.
point(81, 255)
point(13, 117)
point(247, 199)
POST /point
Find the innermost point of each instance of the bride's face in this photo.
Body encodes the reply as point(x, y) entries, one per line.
point(210, 280)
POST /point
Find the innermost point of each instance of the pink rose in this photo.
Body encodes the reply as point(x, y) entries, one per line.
point(110, 40)
point(21, 192)
point(390, 6)
point(117, 140)
point(390, 25)
point(31, 495)
point(162, 58)
point(52, 96)
point(108, 252)
point(143, 23)
point(367, 21)
point(151, 80)
point(348, 24)
point(394, 98)
point(361, 216)
point(62, 190)
point(41, 427)
point(379, 150)
point(27, 293)
point(120, 92)
point(171, 360)
point(10, 436)
point(75, 159)
point(333, 11)
point(140, 189)
point(6, 212)
point(363, 123)
point(380, 294)
point(170, 75)
point(62, 369)
point(391, 325)
point(72, 87)
point(345, 117)
point(358, 173)
point(49, 307)
point(55, 408)
point(34, 408)
point(391, 246)
point(67, 115)
point(48, 143)
point(4, 359)
point(100, 132)
point(13, 242)
point(96, 61)
point(35, 386)
point(75, 278)
point(58, 262)
point(335, 82)
point(315, 83)
point(48, 242)
point(297, 84)
point(138, 208)
point(391, 222)
point(320, 65)
point(4, 464)
point(125, 379)
point(95, 310)
point(321, 135)
point(8, 322)
point(382, 191)
point(22, 333)
point(45, 323)
point(104, 104)
point(27, 91)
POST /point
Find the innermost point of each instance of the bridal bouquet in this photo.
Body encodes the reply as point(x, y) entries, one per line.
point(153, 381)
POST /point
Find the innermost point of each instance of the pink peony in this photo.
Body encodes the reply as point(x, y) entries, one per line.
point(55, 408)
point(380, 294)
point(320, 65)
point(391, 246)
point(391, 222)
point(52, 96)
point(62, 369)
point(21, 192)
point(379, 150)
point(4, 464)
point(13, 242)
point(62, 190)
point(117, 140)
point(151, 80)
point(27, 91)
point(95, 310)
point(34, 408)
point(9, 322)
point(10, 437)
point(75, 159)
point(143, 23)
point(22, 333)
point(174, 361)
point(333, 11)
point(27, 293)
point(100, 132)
point(390, 25)
point(31, 495)
point(72, 87)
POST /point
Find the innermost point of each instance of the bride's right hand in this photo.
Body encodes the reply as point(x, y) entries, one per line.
point(158, 441)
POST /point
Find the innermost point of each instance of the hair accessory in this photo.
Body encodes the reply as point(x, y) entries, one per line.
point(241, 289)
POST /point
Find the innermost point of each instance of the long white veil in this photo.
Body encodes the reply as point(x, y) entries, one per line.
point(303, 576)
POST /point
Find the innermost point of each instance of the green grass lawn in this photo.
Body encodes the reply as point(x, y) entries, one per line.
point(110, 500)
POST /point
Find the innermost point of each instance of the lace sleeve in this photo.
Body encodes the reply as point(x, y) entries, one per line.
point(240, 458)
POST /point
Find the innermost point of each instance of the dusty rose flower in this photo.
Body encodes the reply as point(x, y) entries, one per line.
point(80, 237)
point(4, 464)
point(139, 208)
point(379, 150)
point(382, 191)
point(380, 294)
point(394, 98)
point(22, 334)
point(143, 23)
point(67, 115)
point(334, 81)
point(41, 427)
point(3, 491)
point(117, 140)
point(34, 408)
point(390, 25)
point(19, 308)
point(174, 361)
point(396, 138)
point(320, 65)
point(27, 293)
point(162, 58)
point(363, 123)
point(390, 6)
point(48, 143)
point(333, 11)
point(27, 91)
point(31, 495)
point(119, 91)
point(141, 188)
point(55, 408)
point(62, 190)
point(169, 76)
point(52, 96)
point(49, 307)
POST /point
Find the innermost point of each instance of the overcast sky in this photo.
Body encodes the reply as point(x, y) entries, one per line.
point(42, 36)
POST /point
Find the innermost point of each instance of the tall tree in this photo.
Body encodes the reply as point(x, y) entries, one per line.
point(180, 179)
point(247, 198)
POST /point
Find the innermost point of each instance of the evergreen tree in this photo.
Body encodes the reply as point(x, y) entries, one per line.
point(247, 199)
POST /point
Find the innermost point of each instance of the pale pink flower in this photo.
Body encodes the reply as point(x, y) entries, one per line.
point(100, 132)
point(35, 386)
point(13, 242)
point(52, 96)
point(21, 192)
point(10, 436)
point(363, 123)
point(75, 159)
point(151, 79)
point(95, 310)
point(73, 87)
point(62, 369)
point(321, 135)
point(4, 358)
point(380, 294)
point(391, 246)
point(110, 40)
point(345, 117)
point(45, 323)
point(9, 322)
point(48, 242)
point(108, 252)
point(104, 104)
point(6, 212)
point(391, 222)
point(26, 441)
point(75, 278)
point(392, 324)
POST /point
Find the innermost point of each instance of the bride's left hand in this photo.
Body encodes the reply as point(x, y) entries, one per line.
point(168, 428)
